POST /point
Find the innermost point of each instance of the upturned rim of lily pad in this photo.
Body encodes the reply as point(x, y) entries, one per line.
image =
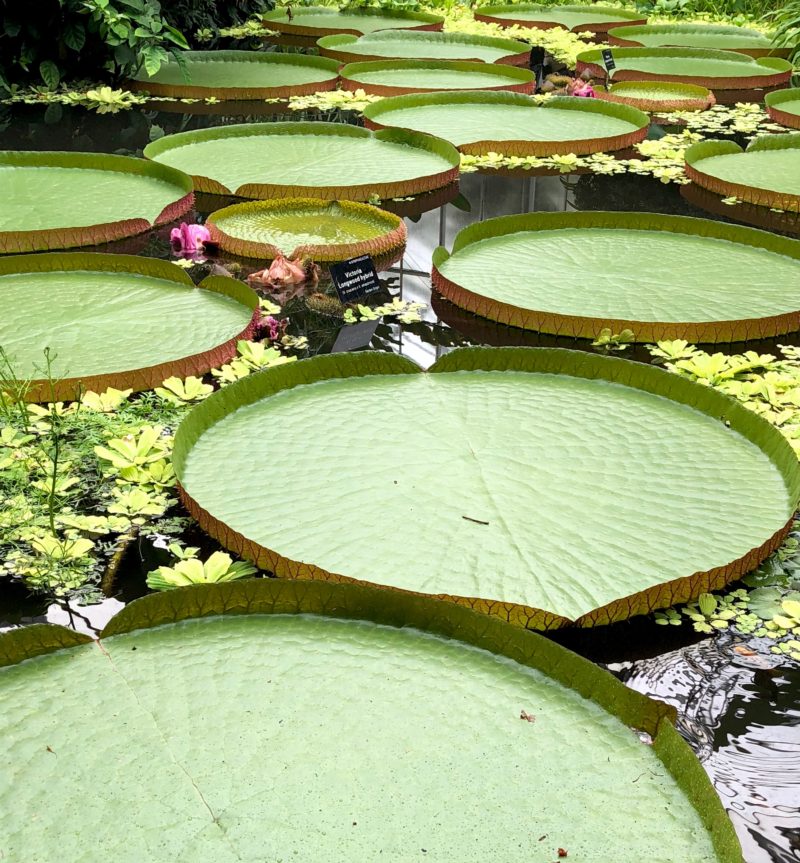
point(14, 242)
point(767, 71)
point(601, 26)
point(638, 119)
point(390, 235)
point(137, 379)
point(697, 153)
point(687, 97)
point(774, 100)
point(416, 20)
point(328, 79)
point(356, 192)
point(624, 36)
point(518, 53)
point(509, 78)
point(557, 361)
point(586, 327)
point(445, 620)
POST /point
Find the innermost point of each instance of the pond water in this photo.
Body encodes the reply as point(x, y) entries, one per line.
point(740, 713)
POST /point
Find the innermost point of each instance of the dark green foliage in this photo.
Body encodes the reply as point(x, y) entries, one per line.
point(44, 42)
point(189, 16)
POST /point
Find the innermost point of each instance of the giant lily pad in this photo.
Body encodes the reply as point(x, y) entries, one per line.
point(115, 320)
point(719, 36)
point(408, 45)
point(60, 200)
point(317, 21)
point(512, 123)
point(542, 485)
point(307, 228)
point(713, 282)
point(717, 70)
point(397, 77)
point(324, 160)
point(783, 106)
point(659, 96)
point(767, 173)
point(338, 724)
point(597, 19)
point(239, 75)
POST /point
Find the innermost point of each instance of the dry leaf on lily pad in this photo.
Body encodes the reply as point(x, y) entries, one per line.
point(331, 716)
point(544, 486)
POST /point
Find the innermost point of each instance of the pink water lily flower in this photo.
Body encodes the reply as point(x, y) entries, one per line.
point(275, 327)
point(581, 88)
point(280, 273)
point(189, 239)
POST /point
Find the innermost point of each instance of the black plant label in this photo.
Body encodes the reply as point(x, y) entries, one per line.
point(608, 59)
point(355, 278)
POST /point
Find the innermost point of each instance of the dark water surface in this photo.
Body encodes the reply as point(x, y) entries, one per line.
point(741, 714)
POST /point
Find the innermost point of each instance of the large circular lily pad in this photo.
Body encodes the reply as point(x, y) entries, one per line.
point(717, 70)
point(783, 106)
point(767, 173)
point(720, 36)
point(658, 96)
point(239, 75)
point(60, 200)
point(115, 320)
point(597, 19)
point(544, 486)
point(337, 725)
point(407, 45)
point(316, 21)
point(513, 123)
point(307, 228)
point(397, 77)
point(324, 160)
point(714, 282)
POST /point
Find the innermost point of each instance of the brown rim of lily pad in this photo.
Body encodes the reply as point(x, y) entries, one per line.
point(513, 79)
point(191, 91)
point(599, 27)
point(544, 360)
point(773, 102)
point(271, 21)
point(584, 327)
point(15, 242)
point(695, 98)
point(616, 38)
point(356, 192)
point(66, 389)
point(773, 70)
point(578, 147)
point(742, 211)
point(369, 604)
point(751, 194)
point(386, 244)
point(335, 47)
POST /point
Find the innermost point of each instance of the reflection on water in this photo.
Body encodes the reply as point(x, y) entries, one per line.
point(739, 713)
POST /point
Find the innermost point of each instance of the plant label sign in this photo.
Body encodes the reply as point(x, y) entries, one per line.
point(355, 278)
point(608, 60)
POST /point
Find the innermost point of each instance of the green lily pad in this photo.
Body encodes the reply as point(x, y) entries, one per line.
point(513, 123)
point(307, 228)
point(545, 486)
point(321, 160)
point(332, 717)
point(396, 77)
point(410, 45)
point(239, 75)
point(767, 173)
point(60, 200)
point(316, 21)
point(783, 106)
point(720, 36)
point(663, 96)
point(115, 320)
point(717, 70)
point(597, 19)
point(714, 282)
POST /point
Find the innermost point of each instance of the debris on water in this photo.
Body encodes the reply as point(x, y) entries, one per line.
point(476, 520)
point(528, 717)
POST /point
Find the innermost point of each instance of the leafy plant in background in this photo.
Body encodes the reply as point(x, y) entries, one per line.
point(786, 20)
point(190, 570)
